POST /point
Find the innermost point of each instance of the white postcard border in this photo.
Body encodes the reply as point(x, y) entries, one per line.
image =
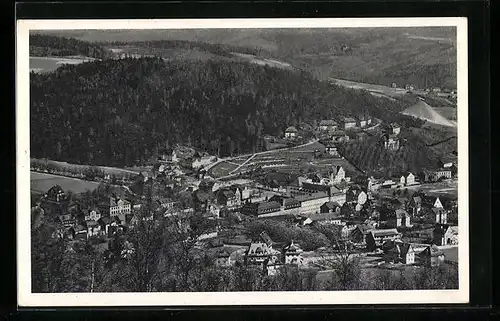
point(27, 299)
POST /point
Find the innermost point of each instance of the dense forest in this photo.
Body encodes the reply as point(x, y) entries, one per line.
point(46, 45)
point(217, 49)
point(119, 112)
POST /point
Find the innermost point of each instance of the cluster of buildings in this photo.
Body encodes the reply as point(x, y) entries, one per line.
point(335, 128)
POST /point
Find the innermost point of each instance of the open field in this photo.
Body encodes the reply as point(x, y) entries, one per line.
point(376, 90)
point(447, 112)
point(48, 64)
point(105, 169)
point(42, 182)
point(221, 169)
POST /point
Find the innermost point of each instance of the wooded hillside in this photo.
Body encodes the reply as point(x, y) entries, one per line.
point(118, 112)
point(46, 45)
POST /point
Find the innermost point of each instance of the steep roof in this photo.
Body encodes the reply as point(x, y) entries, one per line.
point(331, 205)
point(400, 213)
point(292, 247)
point(291, 129)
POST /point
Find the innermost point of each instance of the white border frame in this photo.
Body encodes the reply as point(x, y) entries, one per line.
point(27, 299)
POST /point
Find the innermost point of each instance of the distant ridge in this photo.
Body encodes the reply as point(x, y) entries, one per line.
point(423, 111)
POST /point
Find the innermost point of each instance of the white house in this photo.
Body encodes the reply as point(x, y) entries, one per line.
point(407, 179)
point(291, 132)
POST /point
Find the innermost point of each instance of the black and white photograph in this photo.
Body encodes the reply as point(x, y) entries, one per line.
point(208, 162)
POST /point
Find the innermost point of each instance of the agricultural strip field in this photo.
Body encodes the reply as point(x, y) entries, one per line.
point(42, 182)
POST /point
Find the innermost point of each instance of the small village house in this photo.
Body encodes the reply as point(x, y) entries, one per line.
point(339, 136)
point(451, 236)
point(292, 254)
point(92, 215)
point(364, 121)
point(359, 233)
point(259, 253)
point(331, 218)
point(349, 123)
point(115, 206)
point(444, 234)
point(223, 259)
point(330, 207)
point(391, 142)
point(431, 256)
point(338, 174)
point(407, 179)
point(331, 149)
point(67, 220)
point(400, 218)
point(328, 125)
point(356, 195)
point(56, 195)
point(394, 129)
point(93, 228)
point(291, 132)
point(399, 252)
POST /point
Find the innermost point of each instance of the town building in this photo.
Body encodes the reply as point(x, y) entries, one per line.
point(356, 195)
point(431, 256)
point(330, 207)
point(407, 179)
point(223, 258)
point(349, 123)
point(261, 253)
point(328, 125)
point(93, 215)
point(391, 142)
point(400, 218)
point(67, 220)
point(331, 149)
point(375, 238)
point(451, 236)
point(338, 175)
point(394, 129)
point(339, 136)
point(292, 254)
point(260, 208)
point(444, 234)
point(116, 206)
point(364, 121)
point(398, 252)
point(291, 132)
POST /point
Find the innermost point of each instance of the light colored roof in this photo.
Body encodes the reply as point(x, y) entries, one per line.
point(384, 232)
point(349, 119)
point(291, 129)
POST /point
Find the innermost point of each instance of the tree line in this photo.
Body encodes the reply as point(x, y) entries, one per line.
point(46, 45)
point(119, 112)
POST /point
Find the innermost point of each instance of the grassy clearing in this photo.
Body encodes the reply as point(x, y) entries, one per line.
point(41, 183)
point(105, 169)
point(221, 169)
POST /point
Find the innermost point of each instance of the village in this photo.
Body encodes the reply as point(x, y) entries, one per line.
point(387, 222)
